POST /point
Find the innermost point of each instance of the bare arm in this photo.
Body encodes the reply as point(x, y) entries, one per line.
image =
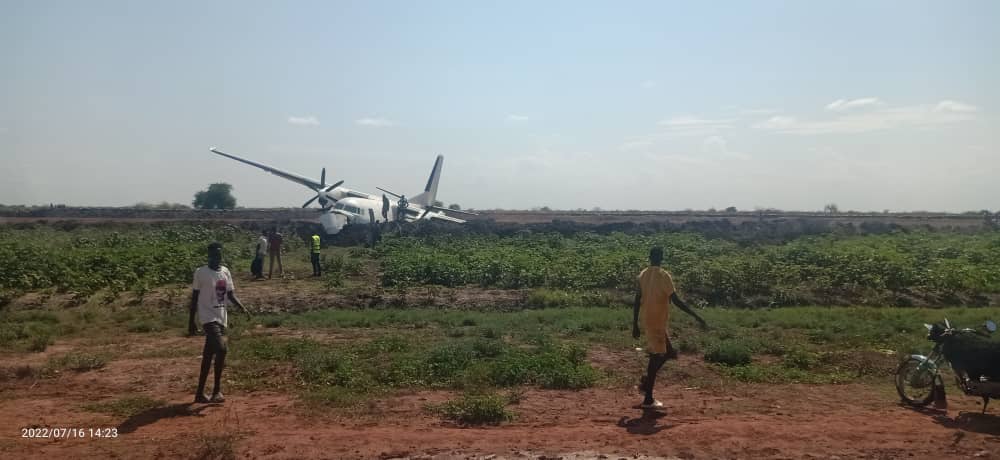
point(683, 306)
point(192, 309)
point(635, 313)
point(234, 300)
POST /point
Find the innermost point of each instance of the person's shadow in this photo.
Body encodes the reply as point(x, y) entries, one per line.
point(646, 424)
point(971, 421)
point(150, 416)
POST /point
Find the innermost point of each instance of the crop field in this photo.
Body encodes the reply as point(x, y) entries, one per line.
point(512, 344)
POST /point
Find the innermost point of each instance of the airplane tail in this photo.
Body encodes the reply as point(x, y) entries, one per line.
point(431, 189)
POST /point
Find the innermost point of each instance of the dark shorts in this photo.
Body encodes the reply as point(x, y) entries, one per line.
point(214, 341)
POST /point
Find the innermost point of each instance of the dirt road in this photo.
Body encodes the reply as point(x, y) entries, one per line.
point(717, 421)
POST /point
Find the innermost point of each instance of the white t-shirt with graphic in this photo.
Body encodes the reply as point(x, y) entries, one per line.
point(213, 288)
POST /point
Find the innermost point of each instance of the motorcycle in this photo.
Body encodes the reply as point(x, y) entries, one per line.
point(918, 377)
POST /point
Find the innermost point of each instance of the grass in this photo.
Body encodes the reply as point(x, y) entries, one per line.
point(481, 350)
point(125, 407)
point(216, 447)
point(346, 373)
point(476, 409)
point(729, 352)
point(76, 361)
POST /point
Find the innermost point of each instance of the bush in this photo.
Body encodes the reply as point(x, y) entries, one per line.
point(800, 359)
point(79, 362)
point(39, 343)
point(729, 353)
point(476, 409)
point(273, 321)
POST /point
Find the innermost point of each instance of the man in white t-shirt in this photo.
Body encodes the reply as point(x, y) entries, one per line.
point(211, 291)
point(258, 260)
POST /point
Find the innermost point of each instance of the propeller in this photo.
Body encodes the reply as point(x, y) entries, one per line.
point(321, 191)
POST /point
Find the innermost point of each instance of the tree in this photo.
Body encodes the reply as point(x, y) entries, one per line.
point(455, 206)
point(218, 196)
point(731, 209)
point(831, 208)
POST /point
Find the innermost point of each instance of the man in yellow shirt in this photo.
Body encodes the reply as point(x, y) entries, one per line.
point(652, 300)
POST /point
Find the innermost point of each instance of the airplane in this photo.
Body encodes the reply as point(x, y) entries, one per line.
point(342, 206)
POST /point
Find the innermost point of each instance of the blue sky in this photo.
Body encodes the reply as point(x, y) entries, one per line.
point(637, 105)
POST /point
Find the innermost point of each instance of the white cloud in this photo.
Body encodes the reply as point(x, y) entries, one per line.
point(758, 112)
point(717, 146)
point(375, 122)
point(953, 106)
point(634, 145)
point(843, 105)
point(914, 116)
point(513, 117)
point(686, 121)
point(307, 121)
point(690, 125)
point(777, 123)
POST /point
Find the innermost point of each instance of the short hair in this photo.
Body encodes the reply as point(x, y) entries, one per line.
point(656, 255)
point(214, 247)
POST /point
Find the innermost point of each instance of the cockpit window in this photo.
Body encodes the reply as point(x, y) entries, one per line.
point(347, 208)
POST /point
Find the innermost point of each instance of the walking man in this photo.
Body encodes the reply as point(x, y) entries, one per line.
point(274, 248)
point(652, 300)
point(314, 255)
point(211, 291)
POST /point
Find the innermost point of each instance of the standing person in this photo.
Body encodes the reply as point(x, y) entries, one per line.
point(259, 255)
point(274, 248)
point(374, 231)
point(652, 299)
point(314, 255)
point(212, 289)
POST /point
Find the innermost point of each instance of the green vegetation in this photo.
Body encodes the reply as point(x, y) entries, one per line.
point(90, 259)
point(125, 407)
point(76, 361)
point(476, 409)
point(342, 374)
point(729, 352)
point(831, 269)
point(901, 268)
point(571, 331)
point(217, 196)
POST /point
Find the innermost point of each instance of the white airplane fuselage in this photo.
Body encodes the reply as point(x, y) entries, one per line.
point(342, 206)
point(352, 208)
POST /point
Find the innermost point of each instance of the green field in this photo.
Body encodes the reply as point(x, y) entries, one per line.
point(575, 309)
point(344, 357)
point(901, 268)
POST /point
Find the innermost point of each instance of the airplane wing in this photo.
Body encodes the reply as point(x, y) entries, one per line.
point(277, 172)
point(357, 194)
point(459, 211)
point(445, 218)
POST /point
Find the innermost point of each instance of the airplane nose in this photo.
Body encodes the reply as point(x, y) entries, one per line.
point(332, 222)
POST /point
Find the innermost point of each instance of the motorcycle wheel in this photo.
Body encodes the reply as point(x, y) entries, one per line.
point(915, 386)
